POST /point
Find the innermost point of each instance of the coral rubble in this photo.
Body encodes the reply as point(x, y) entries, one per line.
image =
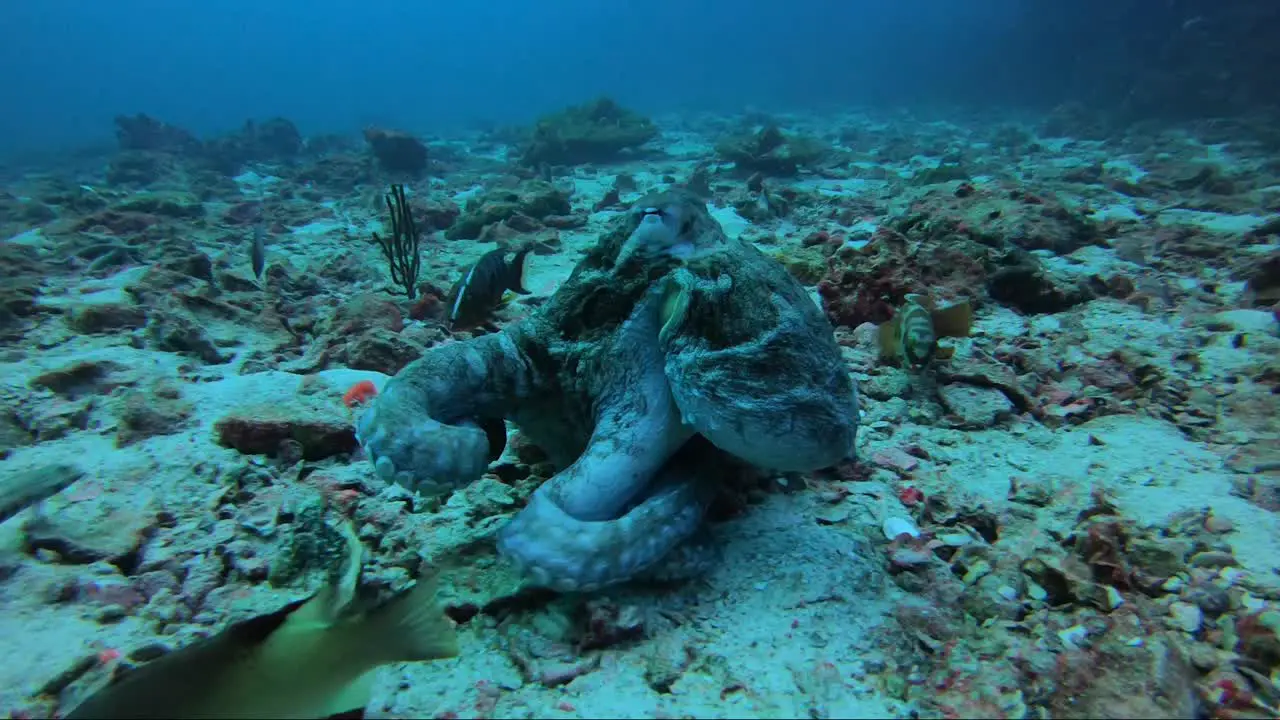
point(1072, 512)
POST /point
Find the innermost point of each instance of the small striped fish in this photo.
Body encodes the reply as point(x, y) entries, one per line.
point(481, 288)
point(911, 336)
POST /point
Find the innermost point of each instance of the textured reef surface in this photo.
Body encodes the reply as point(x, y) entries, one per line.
point(638, 482)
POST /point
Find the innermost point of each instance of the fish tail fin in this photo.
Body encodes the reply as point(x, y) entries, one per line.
point(518, 272)
point(887, 336)
point(410, 627)
point(953, 320)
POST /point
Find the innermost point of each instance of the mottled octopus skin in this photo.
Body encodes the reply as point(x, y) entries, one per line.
point(636, 377)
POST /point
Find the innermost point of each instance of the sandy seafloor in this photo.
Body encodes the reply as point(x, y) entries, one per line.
point(812, 611)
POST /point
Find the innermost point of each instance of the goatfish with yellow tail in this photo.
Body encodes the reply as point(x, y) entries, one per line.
point(480, 289)
point(311, 659)
point(911, 335)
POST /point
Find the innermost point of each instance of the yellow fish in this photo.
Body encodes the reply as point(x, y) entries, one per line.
point(911, 335)
point(311, 659)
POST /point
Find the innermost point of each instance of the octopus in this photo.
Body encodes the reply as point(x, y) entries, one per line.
point(669, 347)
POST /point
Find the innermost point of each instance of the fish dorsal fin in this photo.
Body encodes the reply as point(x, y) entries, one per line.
point(953, 320)
point(923, 301)
point(412, 626)
point(314, 614)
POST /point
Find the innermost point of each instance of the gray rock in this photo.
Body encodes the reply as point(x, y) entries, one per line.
point(110, 528)
point(885, 384)
point(975, 407)
point(319, 428)
point(106, 318)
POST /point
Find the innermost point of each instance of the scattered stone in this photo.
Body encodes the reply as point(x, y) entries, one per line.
point(165, 204)
point(1212, 559)
point(832, 515)
point(1037, 491)
point(1185, 617)
point(106, 318)
point(975, 407)
point(1113, 598)
point(1161, 556)
point(907, 557)
point(1074, 637)
point(382, 351)
point(396, 151)
point(319, 428)
point(895, 527)
point(82, 379)
point(1031, 289)
point(1211, 599)
point(179, 332)
point(142, 415)
point(885, 384)
point(534, 199)
point(895, 459)
point(597, 131)
point(12, 433)
point(108, 528)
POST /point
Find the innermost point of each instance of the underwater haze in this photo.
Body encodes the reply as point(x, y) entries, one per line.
point(334, 65)
point(821, 358)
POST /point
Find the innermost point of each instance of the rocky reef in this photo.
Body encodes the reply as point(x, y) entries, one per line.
point(397, 152)
point(594, 132)
point(1073, 513)
point(771, 152)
